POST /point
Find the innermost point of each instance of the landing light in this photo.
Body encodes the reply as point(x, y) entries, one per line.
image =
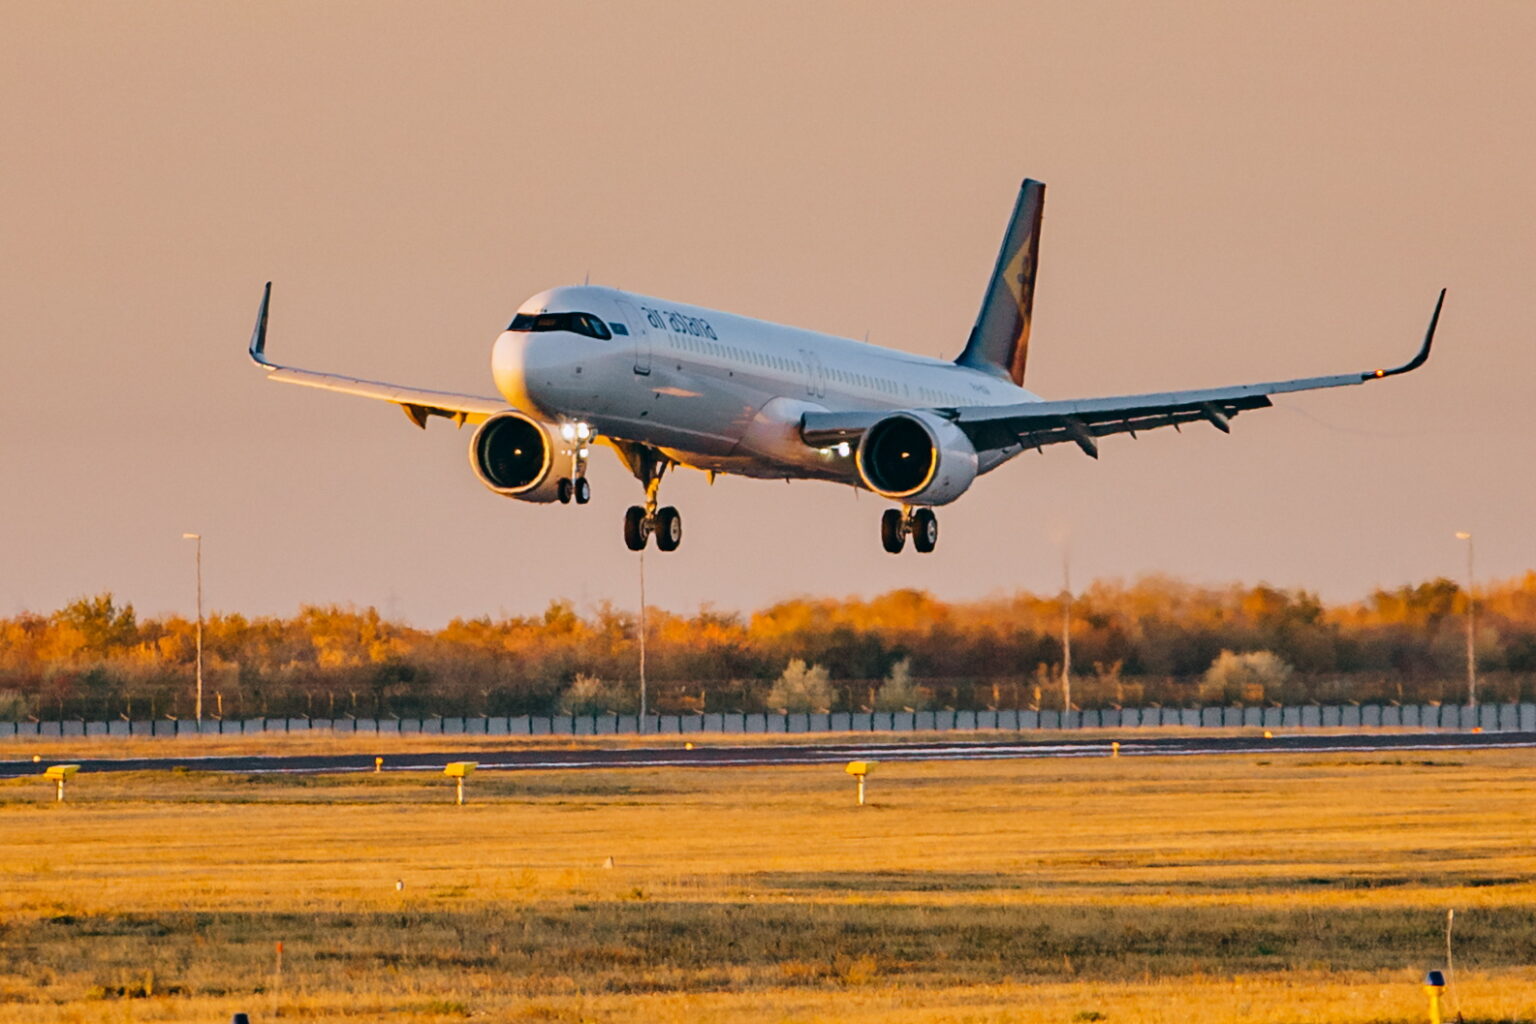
point(583, 431)
point(843, 449)
point(567, 432)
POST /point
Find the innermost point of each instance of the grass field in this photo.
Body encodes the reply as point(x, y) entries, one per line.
point(1295, 888)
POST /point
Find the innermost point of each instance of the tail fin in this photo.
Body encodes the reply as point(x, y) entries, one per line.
point(999, 343)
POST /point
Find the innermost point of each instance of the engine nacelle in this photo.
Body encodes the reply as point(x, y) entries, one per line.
point(916, 457)
point(514, 455)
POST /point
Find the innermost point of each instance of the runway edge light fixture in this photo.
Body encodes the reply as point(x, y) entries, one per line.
point(1434, 985)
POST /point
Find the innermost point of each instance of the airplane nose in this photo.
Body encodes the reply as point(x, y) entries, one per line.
point(510, 368)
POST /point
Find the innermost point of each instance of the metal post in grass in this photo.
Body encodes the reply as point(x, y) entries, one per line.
point(277, 982)
point(1450, 921)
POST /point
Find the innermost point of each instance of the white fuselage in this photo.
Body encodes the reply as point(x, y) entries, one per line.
point(717, 391)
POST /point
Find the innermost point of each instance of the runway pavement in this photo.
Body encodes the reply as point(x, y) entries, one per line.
point(705, 756)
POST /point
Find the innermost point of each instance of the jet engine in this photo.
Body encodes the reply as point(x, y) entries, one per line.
point(514, 456)
point(916, 457)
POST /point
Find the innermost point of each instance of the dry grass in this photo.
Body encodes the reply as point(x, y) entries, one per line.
point(1208, 889)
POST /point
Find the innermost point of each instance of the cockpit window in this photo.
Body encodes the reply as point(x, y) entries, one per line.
point(578, 323)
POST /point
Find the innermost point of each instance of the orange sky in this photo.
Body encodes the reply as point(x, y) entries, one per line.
point(1238, 192)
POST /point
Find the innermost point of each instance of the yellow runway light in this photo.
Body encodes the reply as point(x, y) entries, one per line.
point(1434, 984)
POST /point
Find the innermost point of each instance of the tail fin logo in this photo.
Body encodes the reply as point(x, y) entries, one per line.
point(999, 342)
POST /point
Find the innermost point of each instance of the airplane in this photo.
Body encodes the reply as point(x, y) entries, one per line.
point(667, 384)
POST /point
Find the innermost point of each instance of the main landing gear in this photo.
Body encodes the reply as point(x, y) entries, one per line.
point(641, 522)
point(920, 523)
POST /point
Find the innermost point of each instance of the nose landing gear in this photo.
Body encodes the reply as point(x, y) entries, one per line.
point(575, 485)
point(579, 489)
point(920, 524)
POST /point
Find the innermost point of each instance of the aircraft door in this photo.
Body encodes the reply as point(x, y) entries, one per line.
point(815, 374)
point(641, 335)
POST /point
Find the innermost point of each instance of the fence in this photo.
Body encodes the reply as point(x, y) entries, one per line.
point(1488, 717)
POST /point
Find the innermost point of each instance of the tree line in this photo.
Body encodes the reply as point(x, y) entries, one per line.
point(1157, 640)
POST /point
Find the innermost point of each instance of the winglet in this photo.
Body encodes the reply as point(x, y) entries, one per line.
point(1423, 356)
point(259, 335)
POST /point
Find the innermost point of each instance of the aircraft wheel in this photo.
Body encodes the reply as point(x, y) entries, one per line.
point(669, 529)
point(635, 533)
point(925, 530)
point(563, 490)
point(891, 535)
point(583, 490)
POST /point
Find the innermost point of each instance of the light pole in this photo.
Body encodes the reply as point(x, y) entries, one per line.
point(199, 539)
point(1066, 630)
point(642, 640)
point(1471, 626)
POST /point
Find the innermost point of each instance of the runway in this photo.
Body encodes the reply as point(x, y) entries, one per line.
point(705, 756)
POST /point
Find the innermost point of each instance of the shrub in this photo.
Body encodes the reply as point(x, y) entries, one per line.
point(589, 695)
point(1243, 677)
point(801, 688)
point(899, 692)
point(13, 706)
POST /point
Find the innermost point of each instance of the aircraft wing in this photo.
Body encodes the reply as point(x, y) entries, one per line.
point(1084, 420)
point(417, 403)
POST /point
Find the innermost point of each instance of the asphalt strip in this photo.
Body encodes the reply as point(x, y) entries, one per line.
point(746, 757)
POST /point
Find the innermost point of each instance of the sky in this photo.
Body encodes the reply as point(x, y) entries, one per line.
point(1236, 193)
